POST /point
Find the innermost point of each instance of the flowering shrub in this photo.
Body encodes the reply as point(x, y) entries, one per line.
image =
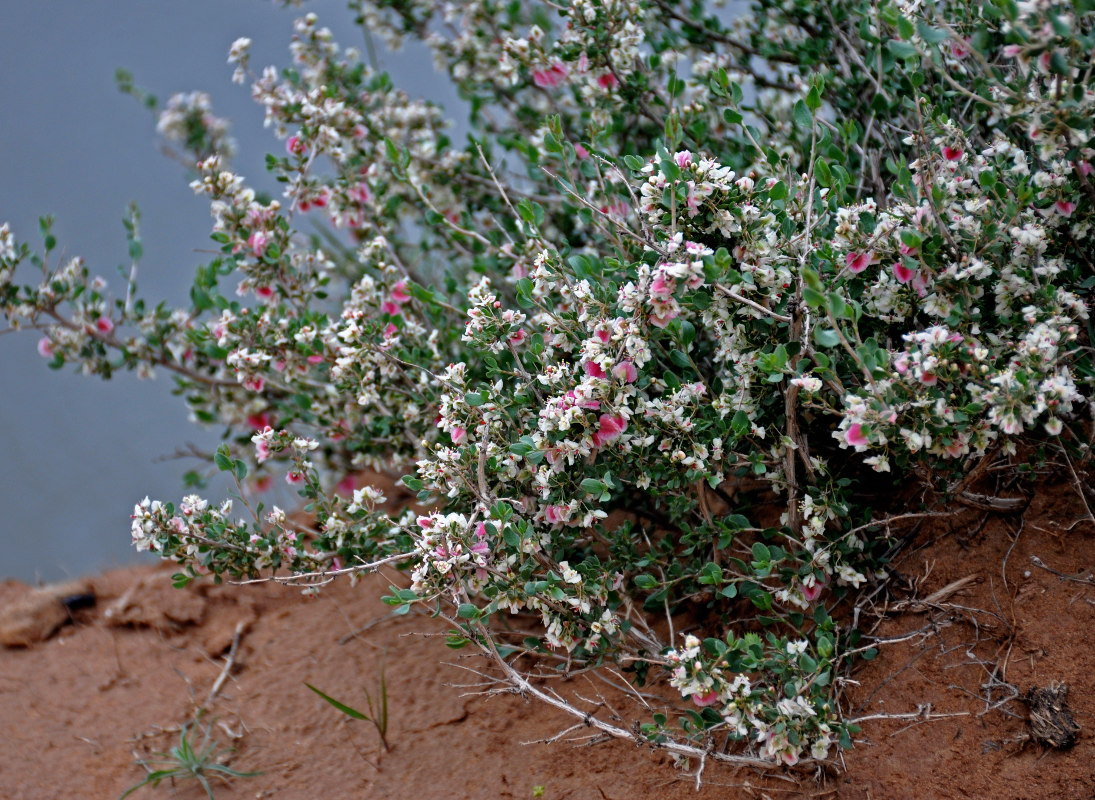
point(651, 346)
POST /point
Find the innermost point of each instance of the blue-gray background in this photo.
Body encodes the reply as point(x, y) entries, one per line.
point(76, 453)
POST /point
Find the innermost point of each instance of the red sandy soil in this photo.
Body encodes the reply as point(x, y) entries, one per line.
point(78, 710)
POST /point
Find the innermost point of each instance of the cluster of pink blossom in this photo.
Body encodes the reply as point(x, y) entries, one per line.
point(784, 730)
point(188, 120)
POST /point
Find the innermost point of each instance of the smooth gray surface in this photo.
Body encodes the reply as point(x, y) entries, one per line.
point(76, 453)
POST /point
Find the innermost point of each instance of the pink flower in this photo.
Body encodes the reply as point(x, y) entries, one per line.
point(625, 371)
point(254, 383)
point(928, 378)
point(347, 485)
point(259, 421)
point(855, 436)
point(104, 325)
point(902, 273)
point(481, 548)
point(551, 77)
point(458, 434)
point(920, 283)
point(706, 699)
point(264, 291)
point(952, 153)
point(390, 330)
point(590, 404)
point(45, 347)
point(1065, 207)
point(1011, 50)
point(609, 429)
point(581, 153)
point(390, 308)
point(960, 48)
point(262, 450)
point(261, 484)
point(295, 146)
point(293, 477)
point(663, 319)
point(901, 363)
point(1086, 168)
point(812, 593)
point(857, 262)
point(683, 158)
point(257, 242)
point(314, 359)
point(399, 293)
point(556, 514)
point(607, 81)
point(516, 337)
point(661, 288)
point(593, 369)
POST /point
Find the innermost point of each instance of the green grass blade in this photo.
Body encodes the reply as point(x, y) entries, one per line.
point(345, 709)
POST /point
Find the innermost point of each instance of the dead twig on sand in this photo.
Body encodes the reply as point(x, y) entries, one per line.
point(229, 662)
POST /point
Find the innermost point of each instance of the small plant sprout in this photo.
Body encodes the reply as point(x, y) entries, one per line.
point(188, 762)
point(377, 716)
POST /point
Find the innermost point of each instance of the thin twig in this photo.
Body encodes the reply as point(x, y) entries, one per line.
point(229, 662)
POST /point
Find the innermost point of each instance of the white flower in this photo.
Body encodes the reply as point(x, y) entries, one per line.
point(239, 50)
point(569, 575)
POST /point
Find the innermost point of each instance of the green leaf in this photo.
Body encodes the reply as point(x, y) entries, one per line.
point(680, 359)
point(813, 99)
point(467, 611)
point(474, 399)
point(524, 209)
point(802, 116)
point(905, 28)
point(778, 191)
point(645, 581)
point(761, 553)
point(673, 131)
point(826, 337)
point(813, 280)
point(634, 163)
point(901, 49)
point(837, 307)
point(222, 460)
point(688, 332)
point(929, 34)
point(813, 298)
point(762, 600)
point(592, 486)
point(345, 709)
